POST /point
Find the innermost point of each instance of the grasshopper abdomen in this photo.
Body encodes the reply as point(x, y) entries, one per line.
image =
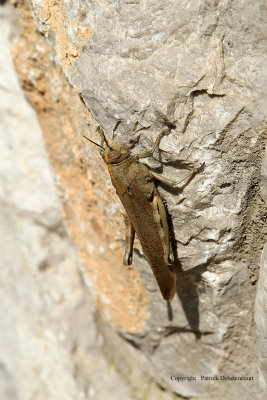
point(145, 210)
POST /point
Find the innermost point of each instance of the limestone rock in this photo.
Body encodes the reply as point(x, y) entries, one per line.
point(131, 66)
point(261, 297)
point(50, 347)
point(260, 316)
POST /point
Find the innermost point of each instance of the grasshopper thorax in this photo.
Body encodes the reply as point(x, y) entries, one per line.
point(116, 153)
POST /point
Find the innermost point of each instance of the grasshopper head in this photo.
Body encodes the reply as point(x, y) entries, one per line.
point(116, 153)
point(111, 153)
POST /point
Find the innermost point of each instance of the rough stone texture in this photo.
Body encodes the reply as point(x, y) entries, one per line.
point(135, 64)
point(261, 297)
point(50, 343)
point(260, 317)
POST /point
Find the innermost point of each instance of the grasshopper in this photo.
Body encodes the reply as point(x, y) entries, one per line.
point(135, 186)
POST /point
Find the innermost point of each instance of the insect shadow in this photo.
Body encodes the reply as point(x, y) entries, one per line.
point(186, 282)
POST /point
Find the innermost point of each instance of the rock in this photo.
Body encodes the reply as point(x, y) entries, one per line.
point(49, 342)
point(261, 297)
point(260, 317)
point(136, 67)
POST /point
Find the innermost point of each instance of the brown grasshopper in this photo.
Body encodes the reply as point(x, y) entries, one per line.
point(134, 184)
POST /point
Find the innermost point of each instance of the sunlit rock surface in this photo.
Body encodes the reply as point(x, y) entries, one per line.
point(132, 66)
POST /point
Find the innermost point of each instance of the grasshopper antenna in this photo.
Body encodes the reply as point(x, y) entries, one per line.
point(94, 143)
point(100, 130)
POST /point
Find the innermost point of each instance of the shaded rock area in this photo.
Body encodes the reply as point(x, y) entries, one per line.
point(85, 326)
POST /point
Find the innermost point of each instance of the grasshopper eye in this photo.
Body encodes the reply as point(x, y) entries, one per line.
point(114, 154)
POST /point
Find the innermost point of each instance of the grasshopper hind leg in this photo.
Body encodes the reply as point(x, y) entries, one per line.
point(130, 234)
point(161, 218)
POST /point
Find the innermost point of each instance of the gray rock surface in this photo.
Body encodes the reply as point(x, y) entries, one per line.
point(49, 344)
point(38, 263)
point(137, 64)
point(261, 297)
point(261, 318)
point(198, 65)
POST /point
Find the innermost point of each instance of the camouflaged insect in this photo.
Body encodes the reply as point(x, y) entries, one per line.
point(135, 186)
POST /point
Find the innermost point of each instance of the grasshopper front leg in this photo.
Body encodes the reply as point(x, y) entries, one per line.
point(130, 234)
point(174, 184)
point(156, 145)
